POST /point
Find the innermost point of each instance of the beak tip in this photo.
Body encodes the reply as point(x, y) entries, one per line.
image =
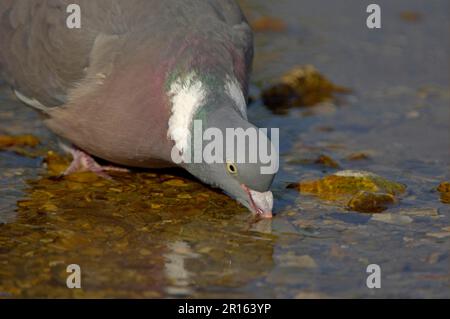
point(260, 203)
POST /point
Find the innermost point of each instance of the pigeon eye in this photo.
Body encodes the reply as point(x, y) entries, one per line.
point(231, 168)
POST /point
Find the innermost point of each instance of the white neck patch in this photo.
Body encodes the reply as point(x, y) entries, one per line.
point(187, 95)
point(234, 91)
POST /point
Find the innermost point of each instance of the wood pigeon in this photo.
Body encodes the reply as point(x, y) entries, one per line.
point(127, 83)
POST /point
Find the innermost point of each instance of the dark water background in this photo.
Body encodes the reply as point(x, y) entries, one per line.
point(128, 246)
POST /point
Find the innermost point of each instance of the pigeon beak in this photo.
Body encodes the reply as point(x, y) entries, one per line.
point(261, 203)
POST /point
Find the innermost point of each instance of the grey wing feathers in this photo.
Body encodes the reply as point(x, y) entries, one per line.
point(47, 62)
point(36, 59)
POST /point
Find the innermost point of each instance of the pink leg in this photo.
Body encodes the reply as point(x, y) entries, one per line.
point(83, 162)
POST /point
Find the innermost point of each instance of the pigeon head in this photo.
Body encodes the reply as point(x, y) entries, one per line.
point(214, 141)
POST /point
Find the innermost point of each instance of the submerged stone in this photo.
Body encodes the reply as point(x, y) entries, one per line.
point(357, 190)
point(56, 164)
point(301, 87)
point(20, 145)
point(392, 219)
point(411, 16)
point(268, 24)
point(368, 202)
point(444, 189)
point(21, 140)
point(327, 161)
point(358, 156)
point(321, 160)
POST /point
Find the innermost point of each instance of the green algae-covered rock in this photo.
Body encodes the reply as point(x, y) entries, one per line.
point(369, 202)
point(444, 189)
point(357, 190)
point(21, 140)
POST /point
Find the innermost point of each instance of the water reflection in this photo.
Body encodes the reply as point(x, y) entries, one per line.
point(175, 268)
point(141, 235)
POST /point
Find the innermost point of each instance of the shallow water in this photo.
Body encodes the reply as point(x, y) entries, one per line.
point(160, 234)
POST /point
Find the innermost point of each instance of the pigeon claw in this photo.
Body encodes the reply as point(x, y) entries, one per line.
point(83, 162)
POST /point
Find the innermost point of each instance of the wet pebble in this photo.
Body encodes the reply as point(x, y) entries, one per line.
point(302, 86)
point(392, 218)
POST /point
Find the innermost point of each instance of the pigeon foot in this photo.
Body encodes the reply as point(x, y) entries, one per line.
point(83, 162)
